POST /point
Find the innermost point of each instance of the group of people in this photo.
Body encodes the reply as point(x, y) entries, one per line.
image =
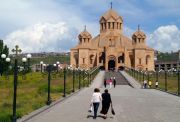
point(97, 98)
point(149, 84)
point(110, 81)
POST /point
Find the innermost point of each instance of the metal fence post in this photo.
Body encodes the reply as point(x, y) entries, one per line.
point(178, 82)
point(73, 80)
point(165, 80)
point(64, 95)
point(49, 85)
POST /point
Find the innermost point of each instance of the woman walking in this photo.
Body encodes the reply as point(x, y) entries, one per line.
point(106, 101)
point(96, 99)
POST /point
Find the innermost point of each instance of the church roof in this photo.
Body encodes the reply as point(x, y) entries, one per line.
point(85, 34)
point(111, 13)
point(139, 33)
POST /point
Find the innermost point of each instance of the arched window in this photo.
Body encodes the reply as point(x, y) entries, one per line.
point(139, 60)
point(147, 59)
point(91, 59)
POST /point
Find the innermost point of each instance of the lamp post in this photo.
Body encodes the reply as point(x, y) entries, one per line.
point(8, 60)
point(3, 56)
point(57, 65)
point(24, 60)
point(143, 76)
point(83, 73)
point(44, 66)
point(178, 82)
point(165, 80)
point(49, 68)
point(79, 72)
point(16, 51)
point(28, 58)
point(41, 63)
point(64, 95)
point(73, 80)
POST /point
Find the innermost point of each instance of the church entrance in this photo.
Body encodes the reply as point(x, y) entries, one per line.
point(121, 68)
point(111, 65)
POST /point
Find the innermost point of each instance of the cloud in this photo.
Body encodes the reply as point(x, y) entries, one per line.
point(165, 38)
point(43, 37)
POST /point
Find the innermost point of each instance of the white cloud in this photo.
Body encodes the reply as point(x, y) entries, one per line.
point(165, 38)
point(43, 37)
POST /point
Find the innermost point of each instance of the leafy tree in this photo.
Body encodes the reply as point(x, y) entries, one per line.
point(3, 50)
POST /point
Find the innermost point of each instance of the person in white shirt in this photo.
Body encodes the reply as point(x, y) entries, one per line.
point(145, 84)
point(156, 84)
point(96, 99)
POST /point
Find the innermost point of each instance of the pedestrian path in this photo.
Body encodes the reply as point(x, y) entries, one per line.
point(130, 104)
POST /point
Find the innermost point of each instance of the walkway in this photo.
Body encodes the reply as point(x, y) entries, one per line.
point(130, 104)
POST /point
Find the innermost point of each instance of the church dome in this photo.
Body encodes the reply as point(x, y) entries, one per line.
point(111, 13)
point(139, 34)
point(85, 34)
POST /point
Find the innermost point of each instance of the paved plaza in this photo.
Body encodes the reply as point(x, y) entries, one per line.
point(130, 104)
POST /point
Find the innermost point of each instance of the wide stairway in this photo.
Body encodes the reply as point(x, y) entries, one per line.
point(120, 79)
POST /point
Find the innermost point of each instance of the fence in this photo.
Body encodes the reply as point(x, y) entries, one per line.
point(168, 81)
point(33, 90)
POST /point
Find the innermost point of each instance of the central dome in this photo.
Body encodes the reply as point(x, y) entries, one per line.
point(111, 13)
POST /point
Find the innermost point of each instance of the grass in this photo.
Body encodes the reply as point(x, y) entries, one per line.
point(172, 80)
point(32, 92)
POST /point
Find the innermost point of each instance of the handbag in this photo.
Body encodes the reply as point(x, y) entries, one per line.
point(112, 110)
point(90, 109)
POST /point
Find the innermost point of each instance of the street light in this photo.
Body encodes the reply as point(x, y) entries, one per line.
point(57, 65)
point(16, 51)
point(41, 63)
point(8, 60)
point(79, 73)
point(28, 58)
point(64, 94)
point(24, 60)
point(3, 56)
point(49, 68)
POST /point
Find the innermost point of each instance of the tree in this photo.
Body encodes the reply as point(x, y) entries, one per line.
point(3, 50)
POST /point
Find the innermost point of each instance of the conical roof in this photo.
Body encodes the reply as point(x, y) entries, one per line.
point(85, 34)
point(111, 13)
point(139, 33)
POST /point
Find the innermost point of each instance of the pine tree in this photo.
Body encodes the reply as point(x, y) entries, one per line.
point(3, 50)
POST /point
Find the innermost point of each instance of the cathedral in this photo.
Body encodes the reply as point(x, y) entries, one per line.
point(111, 49)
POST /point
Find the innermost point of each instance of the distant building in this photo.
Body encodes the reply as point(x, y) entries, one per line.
point(111, 49)
point(168, 61)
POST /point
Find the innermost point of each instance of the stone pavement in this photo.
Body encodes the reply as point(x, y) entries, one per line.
point(130, 104)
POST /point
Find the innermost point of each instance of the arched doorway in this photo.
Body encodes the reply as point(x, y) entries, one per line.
point(121, 68)
point(111, 65)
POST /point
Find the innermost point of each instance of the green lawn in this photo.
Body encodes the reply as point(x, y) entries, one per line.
point(31, 92)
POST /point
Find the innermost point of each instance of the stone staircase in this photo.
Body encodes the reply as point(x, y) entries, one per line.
point(120, 79)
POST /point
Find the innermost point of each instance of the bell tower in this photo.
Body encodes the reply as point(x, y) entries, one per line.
point(138, 38)
point(111, 21)
point(84, 37)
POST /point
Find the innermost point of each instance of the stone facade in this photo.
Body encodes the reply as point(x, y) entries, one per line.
point(111, 48)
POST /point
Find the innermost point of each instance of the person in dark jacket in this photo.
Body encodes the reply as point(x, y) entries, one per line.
point(105, 83)
point(114, 82)
point(106, 101)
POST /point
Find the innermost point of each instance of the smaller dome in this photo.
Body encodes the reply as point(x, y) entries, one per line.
point(139, 34)
point(85, 34)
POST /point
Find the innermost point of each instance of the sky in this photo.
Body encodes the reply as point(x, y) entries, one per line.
point(54, 25)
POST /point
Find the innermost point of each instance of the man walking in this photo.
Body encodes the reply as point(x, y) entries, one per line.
point(114, 82)
point(105, 82)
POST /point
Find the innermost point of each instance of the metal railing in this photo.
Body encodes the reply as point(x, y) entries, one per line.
point(167, 81)
point(41, 88)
